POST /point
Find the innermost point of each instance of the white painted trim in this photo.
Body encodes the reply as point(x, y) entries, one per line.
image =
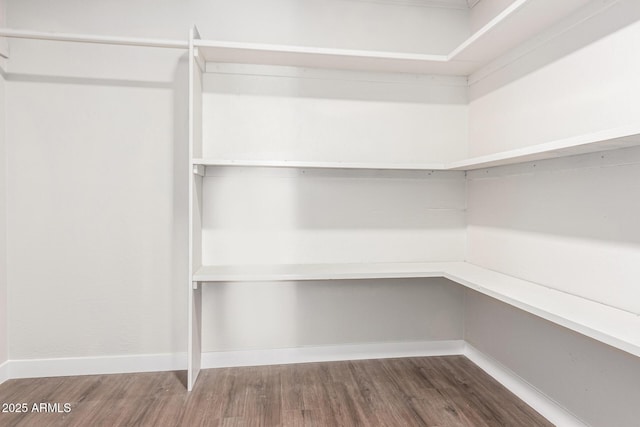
point(282, 356)
point(36, 368)
point(4, 372)
point(444, 4)
point(539, 401)
point(70, 366)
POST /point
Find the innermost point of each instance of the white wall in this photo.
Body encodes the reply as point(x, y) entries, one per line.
point(570, 224)
point(294, 314)
point(580, 82)
point(381, 25)
point(4, 343)
point(97, 167)
point(597, 383)
point(280, 113)
point(264, 216)
point(95, 222)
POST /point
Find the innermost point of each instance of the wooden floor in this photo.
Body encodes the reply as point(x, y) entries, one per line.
point(425, 391)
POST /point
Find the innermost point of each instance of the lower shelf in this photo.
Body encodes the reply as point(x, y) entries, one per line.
point(612, 326)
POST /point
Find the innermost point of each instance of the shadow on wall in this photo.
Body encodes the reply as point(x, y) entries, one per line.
point(323, 313)
point(274, 81)
point(333, 199)
point(579, 198)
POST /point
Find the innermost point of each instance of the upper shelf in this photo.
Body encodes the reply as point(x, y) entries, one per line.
point(315, 57)
point(517, 23)
point(610, 139)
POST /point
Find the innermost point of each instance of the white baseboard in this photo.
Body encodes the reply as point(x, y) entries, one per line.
point(539, 401)
point(225, 359)
point(37, 368)
point(4, 372)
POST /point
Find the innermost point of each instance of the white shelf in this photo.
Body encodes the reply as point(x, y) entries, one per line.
point(251, 273)
point(316, 57)
point(612, 326)
point(610, 139)
point(318, 165)
point(517, 23)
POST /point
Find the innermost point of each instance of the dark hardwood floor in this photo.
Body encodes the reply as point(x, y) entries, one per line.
point(425, 391)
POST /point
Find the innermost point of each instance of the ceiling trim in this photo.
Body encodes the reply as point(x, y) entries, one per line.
point(446, 4)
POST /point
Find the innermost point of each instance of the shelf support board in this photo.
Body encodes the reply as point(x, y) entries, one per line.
point(199, 59)
point(199, 170)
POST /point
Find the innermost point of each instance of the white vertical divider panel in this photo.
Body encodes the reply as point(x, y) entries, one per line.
point(195, 212)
